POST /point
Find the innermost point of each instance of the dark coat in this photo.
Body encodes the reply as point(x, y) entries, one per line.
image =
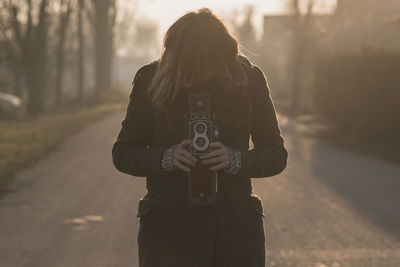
point(230, 233)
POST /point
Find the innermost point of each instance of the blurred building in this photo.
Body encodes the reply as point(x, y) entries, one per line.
point(358, 24)
point(353, 26)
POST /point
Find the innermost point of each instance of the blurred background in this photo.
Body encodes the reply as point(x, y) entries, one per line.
point(66, 68)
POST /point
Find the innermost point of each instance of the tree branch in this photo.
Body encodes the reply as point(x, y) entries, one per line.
point(15, 24)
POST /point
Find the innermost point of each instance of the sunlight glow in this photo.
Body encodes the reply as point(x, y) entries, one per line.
point(166, 12)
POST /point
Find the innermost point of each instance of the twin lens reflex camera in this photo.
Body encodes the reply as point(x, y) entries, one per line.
point(202, 183)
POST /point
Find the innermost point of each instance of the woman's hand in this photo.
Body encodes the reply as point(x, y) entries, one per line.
point(219, 158)
point(181, 157)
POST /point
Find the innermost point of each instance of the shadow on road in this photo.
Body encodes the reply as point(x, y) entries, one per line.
point(370, 184)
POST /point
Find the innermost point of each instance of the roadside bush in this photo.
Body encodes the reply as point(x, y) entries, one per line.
point(361, 93)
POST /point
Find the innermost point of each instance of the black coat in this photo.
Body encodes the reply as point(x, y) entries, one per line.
point(230, 233)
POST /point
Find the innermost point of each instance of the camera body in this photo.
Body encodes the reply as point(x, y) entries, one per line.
point(202, 127)
point(202, 183)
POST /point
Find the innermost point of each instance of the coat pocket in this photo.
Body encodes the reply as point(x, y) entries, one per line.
point(256, 205)
point(146, 205)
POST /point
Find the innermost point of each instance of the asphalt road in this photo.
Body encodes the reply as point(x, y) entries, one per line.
point(331, 207)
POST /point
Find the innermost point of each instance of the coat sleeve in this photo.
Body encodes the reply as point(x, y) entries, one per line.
point(132, 152)
point(269, 155)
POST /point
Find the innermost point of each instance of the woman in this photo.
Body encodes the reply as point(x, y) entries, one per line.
point(200, 54)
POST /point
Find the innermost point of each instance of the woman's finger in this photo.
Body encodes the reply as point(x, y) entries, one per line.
point(181, 158)
point(216, 144)
point(214, 153)
point(219, 166)
point(186, 154)
point(180, 165)
point(215, 160)
point(184, 143)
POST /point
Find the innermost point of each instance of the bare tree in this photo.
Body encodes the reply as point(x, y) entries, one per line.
point(300, 27)
point(103, 21)
point(245, 31)
point(138, 37)
point(27, 43)
point(81, 47)
point(64, 17)
point(10, 56)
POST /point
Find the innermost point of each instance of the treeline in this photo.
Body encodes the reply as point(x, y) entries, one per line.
point(42, 41)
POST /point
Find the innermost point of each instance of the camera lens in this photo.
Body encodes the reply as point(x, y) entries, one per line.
point(201, 141)
point(200, 128)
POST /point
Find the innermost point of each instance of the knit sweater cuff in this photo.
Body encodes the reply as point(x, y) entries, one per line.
point(166, 161)
point(235, 160)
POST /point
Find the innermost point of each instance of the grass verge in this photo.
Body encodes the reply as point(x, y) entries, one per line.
point(24, 141)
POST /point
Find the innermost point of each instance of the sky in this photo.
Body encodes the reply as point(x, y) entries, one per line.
point(167, 11)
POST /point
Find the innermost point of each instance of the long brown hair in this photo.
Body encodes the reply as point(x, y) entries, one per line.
point(197, 46)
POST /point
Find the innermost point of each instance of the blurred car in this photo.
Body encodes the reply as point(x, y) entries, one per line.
point(9, 103)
